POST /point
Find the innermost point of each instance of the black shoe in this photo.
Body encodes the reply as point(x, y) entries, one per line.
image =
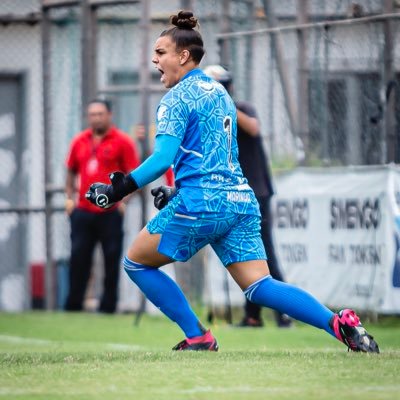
point(349, 330)
point(284, 321)
point(248, 322)
point(205, 342)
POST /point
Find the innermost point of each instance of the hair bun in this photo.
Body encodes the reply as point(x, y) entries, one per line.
point(184, 20)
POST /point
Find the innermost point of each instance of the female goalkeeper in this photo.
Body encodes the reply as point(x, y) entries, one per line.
point(211, 203)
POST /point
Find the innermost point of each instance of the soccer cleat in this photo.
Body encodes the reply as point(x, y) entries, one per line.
point(283, 321)
point(349, 330)
point(198, 343)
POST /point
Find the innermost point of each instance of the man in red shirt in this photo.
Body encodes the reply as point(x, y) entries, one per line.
point(94, 153)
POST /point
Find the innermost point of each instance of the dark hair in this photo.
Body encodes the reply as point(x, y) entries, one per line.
point(105, 102)
point(184, 36)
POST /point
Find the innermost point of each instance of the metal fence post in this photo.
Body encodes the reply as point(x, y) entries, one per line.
point(49, 276)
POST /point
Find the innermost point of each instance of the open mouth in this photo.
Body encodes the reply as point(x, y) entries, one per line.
point(161, 72)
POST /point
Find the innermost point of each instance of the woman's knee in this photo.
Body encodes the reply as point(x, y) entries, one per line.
point(247, 272)
point(144, 250)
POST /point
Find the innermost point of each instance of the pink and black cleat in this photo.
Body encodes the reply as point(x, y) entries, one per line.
point(349, 330)
point(205, 342)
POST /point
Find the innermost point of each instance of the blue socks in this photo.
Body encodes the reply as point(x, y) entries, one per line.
point(290, 300)
point(165, 294)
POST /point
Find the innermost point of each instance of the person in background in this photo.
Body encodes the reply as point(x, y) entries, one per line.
point(211, 202)
point(93, 154)
point(255, 166)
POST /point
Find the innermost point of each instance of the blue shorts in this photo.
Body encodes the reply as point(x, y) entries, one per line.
point(234, 237)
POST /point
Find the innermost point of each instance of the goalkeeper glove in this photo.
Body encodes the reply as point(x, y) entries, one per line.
point(105, 196)
point(162, 195)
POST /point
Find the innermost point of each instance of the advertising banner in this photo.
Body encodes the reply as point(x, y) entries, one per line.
point(337, 235)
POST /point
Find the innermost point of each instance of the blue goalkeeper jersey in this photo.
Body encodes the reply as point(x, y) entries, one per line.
point(199, 112)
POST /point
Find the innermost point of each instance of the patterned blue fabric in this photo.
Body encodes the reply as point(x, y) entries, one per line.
point(200, 113)
point(234, 237)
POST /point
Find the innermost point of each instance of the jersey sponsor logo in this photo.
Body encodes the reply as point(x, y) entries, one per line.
point(208, 86)
point(242, 186)
point(161, 112)
point(219, 178)
point(238, 197)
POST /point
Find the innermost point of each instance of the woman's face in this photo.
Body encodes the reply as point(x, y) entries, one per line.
point(168, 61)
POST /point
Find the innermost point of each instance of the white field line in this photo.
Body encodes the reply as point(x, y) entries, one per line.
point(44, 342)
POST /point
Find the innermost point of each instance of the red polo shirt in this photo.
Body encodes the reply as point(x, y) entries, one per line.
point(94, 161)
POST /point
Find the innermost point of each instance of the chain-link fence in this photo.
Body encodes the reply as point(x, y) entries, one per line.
point(323, 76)
point(325, 79)
point(21, 151)
point(57, 55)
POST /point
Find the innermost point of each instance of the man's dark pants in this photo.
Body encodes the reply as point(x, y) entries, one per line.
point(88, 229)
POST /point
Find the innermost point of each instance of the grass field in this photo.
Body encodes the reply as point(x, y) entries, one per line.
point(90, 356)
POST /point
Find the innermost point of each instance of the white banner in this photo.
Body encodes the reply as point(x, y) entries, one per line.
point(337, 235)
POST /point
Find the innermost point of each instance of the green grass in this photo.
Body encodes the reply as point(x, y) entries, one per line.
point(90, 356)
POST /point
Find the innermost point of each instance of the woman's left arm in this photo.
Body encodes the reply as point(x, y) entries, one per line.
point(165, 149)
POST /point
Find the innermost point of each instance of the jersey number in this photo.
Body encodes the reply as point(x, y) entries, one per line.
point(228, 131)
